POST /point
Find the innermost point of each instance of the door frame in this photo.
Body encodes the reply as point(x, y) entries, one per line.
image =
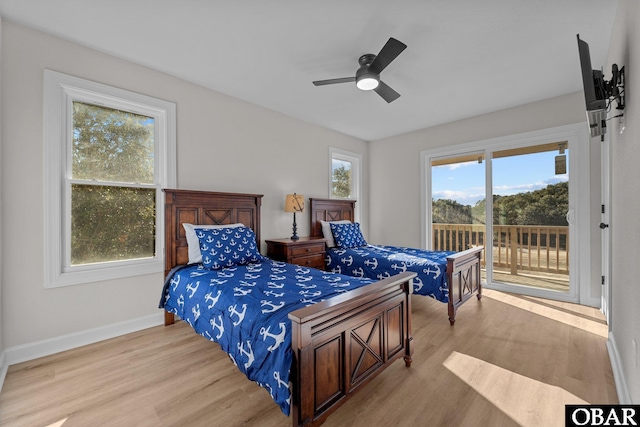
point(579, 202)
point(605, 164)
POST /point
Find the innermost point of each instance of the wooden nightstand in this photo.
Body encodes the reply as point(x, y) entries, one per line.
point(306, 251)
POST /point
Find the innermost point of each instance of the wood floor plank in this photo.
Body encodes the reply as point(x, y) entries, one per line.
point(509, 360)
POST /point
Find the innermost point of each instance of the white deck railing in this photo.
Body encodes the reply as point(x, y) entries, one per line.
point(516, 248)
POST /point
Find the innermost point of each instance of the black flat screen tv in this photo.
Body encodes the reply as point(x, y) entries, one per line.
point(594, 91)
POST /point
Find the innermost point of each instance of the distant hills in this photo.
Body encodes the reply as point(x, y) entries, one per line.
point(546, 206)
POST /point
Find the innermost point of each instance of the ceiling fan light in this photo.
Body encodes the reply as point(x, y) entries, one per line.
point(367, 82)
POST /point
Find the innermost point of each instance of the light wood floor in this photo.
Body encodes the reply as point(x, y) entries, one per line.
point(508, 361)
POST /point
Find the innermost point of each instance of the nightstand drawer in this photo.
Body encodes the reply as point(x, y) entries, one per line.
point(307, 249)
point(314, 261)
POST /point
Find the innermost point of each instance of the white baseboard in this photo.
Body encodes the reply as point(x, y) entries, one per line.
point(624, 398)
point(22, 353)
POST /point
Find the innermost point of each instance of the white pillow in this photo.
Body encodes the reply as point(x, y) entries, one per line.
point(195, 257)
point(326, 230)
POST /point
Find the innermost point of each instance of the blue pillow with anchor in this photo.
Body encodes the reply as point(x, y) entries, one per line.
point(227, 247)
point(348, 235)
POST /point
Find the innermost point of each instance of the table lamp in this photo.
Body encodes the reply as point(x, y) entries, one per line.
point(294, 203)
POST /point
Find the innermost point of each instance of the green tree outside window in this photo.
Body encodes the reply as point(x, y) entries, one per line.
point(112, 214)
point(341, 182)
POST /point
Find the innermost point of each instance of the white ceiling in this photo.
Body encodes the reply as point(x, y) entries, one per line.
point(464, 57)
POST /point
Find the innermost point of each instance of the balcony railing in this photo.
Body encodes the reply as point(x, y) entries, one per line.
point(516, 248)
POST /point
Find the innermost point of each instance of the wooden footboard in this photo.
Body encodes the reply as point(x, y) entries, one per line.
point(463, 277)
point(342, 343)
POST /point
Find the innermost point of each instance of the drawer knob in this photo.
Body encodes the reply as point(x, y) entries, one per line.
point(308, 249)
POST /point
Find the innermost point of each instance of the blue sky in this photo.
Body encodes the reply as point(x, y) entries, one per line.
point(465, 182)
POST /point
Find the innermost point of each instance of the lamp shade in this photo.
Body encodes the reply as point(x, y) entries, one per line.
point(294, 203)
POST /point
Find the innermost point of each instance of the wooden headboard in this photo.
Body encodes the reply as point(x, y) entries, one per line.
point(329, 210)
point(204, 207)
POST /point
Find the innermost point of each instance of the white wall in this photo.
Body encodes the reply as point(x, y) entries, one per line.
point(625, 176)
point(223, 144)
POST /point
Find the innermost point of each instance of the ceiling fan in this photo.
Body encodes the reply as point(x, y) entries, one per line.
point(368, 75)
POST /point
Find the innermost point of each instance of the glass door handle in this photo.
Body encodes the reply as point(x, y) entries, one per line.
point(570, 217)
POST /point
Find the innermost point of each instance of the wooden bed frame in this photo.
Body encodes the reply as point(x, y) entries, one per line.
point(463, 268)
point(339, 344)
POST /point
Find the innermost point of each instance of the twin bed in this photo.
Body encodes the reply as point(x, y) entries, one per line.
point(311, 338)
point(450, 277)
point(310, 351)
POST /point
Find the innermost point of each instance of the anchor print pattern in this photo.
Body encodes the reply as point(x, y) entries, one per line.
point(379, 262)
point(227, 247)
point(245, 307)
point(348, 235)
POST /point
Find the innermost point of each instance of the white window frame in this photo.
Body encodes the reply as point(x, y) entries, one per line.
point(356, 175)
point(60, 91)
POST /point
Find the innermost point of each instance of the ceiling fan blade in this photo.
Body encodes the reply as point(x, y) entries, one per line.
point(386, 92)
point(334, 81)
point(388, 53)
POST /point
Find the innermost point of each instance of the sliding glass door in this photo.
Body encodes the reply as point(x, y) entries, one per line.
point(458, 197)
point(530, 188)
point(514, 200)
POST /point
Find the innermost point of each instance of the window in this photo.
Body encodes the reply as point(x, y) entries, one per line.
point(345, 175)
point(108, 154)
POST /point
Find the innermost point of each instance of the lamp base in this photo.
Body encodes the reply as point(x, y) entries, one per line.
point(294, 236)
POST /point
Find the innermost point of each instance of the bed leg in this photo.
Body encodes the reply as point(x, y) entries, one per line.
point(452, 309)
point(169, 318)
point(408, 344)
point(407, 361)
point(408, 358)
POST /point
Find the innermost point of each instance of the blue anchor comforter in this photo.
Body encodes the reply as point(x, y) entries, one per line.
point(245, 309)
point(379, 262)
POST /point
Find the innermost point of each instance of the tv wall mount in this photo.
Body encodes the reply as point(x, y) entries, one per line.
point(599, 94)
point(613, 90)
